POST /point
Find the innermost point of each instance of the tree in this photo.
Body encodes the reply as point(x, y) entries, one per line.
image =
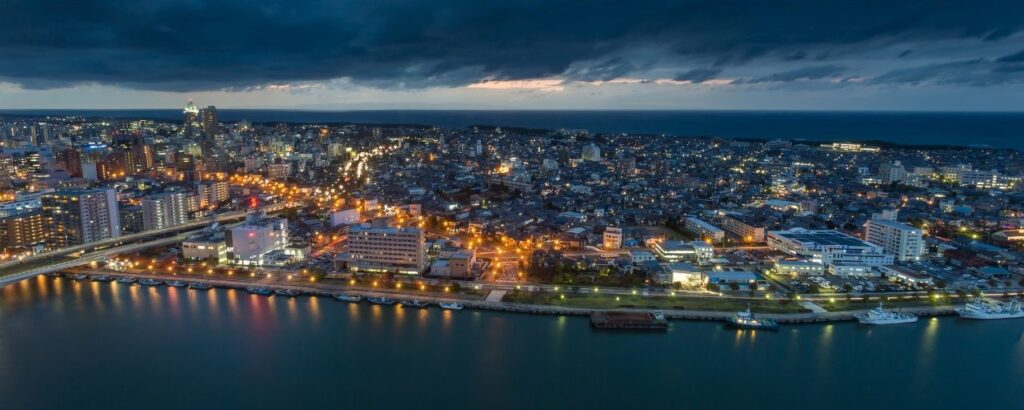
point(734, 286)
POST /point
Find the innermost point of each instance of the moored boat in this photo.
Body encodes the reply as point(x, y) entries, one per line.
point(451, 305)
point(880, 316)
point(381, 301)
point(259, 291)
point(149, 282)
point(176, 283)
point(102, 278)
point(348, 298)
point(415, 303)
point(747, 320)
point(286, 292)
point(199, 286)
point(126, 280)
point(79, 276)
point(981, 310)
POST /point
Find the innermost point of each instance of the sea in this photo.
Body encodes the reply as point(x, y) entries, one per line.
point(979, 129)
point(68, 344)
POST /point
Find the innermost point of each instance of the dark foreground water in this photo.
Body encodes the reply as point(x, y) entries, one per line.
point(79, 345)
point(1002, 130)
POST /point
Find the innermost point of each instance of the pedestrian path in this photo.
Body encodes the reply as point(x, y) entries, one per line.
point(813, 307)
point(495, 296)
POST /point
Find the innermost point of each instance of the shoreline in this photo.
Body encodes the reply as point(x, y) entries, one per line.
point(529, 308)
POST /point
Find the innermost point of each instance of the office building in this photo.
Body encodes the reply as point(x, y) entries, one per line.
point(255, 240)
point(828, 247)
point(903, 241)
point(386, 249)
point(612, 238)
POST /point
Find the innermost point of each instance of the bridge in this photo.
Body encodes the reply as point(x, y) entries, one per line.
point(99, 250)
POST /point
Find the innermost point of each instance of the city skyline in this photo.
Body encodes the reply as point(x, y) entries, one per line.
point(467, 55)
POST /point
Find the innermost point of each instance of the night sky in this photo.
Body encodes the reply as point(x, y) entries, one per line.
point(861, 55)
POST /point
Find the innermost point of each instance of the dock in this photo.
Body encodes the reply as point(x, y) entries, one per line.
point(627, 321)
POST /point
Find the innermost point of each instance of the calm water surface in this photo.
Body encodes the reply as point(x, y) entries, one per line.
point(66, 344)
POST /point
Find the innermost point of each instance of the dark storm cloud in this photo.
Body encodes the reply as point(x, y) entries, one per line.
point(976, 72)
point(698, 75)
point(800, 74)
point(233, 44)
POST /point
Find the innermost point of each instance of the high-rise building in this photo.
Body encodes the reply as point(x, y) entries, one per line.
point(191, 118)
point(76, 217)
point(208, 116)
point(591, 152)
point(164, 210)
point(213, 193)
point(903, 241)
point(21, 230)
point(386, 249)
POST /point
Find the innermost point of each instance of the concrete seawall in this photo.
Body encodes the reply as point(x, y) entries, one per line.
point(672, 314)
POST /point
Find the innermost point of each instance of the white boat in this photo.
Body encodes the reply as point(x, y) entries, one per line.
point(348, 298)
point(982, 310)
point(451, 305)
point(880, 316)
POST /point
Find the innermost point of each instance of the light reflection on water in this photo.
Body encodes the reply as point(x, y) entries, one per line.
point(234, 341)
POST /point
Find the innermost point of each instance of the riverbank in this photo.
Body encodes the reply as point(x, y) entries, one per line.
point(684, 308)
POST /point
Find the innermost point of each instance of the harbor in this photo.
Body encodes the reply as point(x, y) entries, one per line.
point(391, 297)
point(150, 340)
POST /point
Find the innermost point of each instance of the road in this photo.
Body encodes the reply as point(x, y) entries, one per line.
point(188, 226)
point(90, 258)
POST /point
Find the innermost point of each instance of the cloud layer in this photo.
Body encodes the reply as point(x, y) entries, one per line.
point(195, 45)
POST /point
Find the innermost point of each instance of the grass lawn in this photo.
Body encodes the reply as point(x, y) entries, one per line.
point(841, 303)
point(652, 302)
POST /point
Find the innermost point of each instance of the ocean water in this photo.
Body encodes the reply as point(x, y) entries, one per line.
point(89, 345)
point(994, 129)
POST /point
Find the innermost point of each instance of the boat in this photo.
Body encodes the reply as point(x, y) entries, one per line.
point(126, 280)
point(381, 301)
point(52, 274)
point(149, 282)
point(102, 278)
point(415, 303)
point(79, 276)
point(880, 316)
point(199, 286)
point(451, 305)
point(628, 321)
point(982, 310)
point(259, 291)
point(176, 283)
point(286, 292)
point(747, 320)
point(348, 298)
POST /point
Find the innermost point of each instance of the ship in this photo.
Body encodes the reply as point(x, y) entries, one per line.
point(381, 301)
point(348, 298)
point(415, 303)
point(149, 282)
point(880, 316)
point(259, 291)
point(286, 292)
point(199, 286)
point(451, 305)
point(747, 320)
point(982, 310)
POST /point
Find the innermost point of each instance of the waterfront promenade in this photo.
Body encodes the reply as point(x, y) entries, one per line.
point(486, 302)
